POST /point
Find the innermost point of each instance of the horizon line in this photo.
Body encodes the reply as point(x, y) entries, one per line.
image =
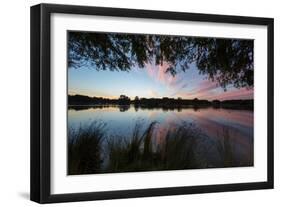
point(158, 98)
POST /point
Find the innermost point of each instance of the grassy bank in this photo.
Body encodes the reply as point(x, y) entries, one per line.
point(85, 149)
point(91, 150)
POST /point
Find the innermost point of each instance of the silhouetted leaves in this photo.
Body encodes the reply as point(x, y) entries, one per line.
point(226, 61)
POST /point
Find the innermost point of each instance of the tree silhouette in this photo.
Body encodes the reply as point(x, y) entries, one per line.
point(137, 100)
point(124, 99)
point(226, 61)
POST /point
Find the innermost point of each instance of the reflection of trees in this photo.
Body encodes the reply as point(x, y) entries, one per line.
point(123, 108)
point(79, 102)
point(136, 106)
point(226, 61)
point(195, 108)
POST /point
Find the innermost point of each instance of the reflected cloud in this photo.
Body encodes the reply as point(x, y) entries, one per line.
point(219, 128)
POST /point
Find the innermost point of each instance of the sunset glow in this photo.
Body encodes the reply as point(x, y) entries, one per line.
point(144, 102)
point(150, 82)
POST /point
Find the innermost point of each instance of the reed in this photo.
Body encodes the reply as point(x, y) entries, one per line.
point(90, 150)
point(85, 148)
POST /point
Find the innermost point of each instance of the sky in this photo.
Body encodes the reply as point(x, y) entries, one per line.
point(149, 82)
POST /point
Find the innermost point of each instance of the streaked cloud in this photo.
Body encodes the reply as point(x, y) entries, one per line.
point(151, 81)
point(159, 74)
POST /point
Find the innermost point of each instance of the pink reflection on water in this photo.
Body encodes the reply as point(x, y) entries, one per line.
point(210, 121)
point(213, 122)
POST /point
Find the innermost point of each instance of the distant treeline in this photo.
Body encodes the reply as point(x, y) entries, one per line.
point(164, 102)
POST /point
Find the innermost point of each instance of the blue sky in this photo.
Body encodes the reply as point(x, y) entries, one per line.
point(150, 81)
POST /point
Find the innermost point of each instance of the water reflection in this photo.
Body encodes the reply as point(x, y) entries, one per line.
point(137, 107)
point(224, 137)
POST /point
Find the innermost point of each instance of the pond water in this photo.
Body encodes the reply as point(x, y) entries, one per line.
point(214, 123)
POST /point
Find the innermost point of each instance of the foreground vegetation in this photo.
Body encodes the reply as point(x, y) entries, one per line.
point(90, 150)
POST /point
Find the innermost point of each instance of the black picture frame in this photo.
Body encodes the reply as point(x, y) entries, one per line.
point(41, 96)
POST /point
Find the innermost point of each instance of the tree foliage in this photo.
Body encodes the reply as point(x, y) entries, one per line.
point(226, 61)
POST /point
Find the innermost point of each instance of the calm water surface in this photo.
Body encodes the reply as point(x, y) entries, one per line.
point(120, 121)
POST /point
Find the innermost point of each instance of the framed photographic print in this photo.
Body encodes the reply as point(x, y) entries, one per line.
point(132, 103)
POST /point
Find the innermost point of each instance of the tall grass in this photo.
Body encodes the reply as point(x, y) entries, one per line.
point(85, 149)
point(180, 148)
point(226, 150)
point(133, 153)
point(176, 150)
point(90, 150)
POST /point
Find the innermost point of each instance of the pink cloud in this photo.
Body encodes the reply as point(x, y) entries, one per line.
point(242, 93)
point(179, 90)
point(205, 90)
point(205, 86)
point(201, 90)
point(159, 74)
